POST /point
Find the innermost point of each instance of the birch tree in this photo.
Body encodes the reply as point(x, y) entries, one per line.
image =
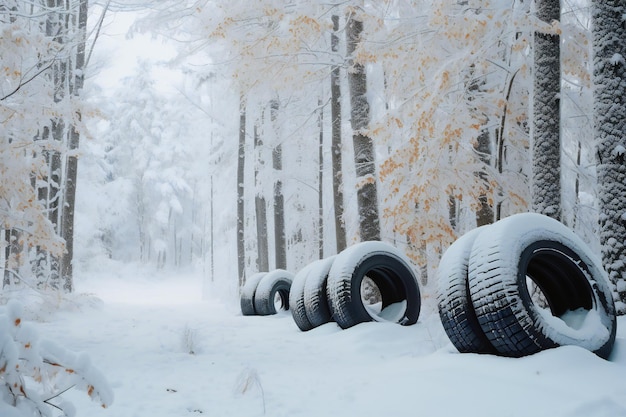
point(609, 41)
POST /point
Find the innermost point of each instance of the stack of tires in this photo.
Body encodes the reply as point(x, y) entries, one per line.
point(332, 289)
point(266, 293)
point(487, 280)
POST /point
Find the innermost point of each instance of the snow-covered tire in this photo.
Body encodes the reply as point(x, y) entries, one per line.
point(389, 269)
point(453, 300)
point(315, 295)
point(532, 246)
point(296, 299)
point(246, 298)
point(274, 284)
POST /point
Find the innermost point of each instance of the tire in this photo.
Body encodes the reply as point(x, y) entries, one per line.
point(390, 271)
point(274, 284)
point(246, 298)
point(532, 246)
point(453, 300)
point(315, 295)
point(296, 299)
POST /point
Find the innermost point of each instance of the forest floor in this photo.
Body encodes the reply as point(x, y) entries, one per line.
point(167, 352)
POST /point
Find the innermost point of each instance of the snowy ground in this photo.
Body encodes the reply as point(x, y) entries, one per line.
point(168, 353)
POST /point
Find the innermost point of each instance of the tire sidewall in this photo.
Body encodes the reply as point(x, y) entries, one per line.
point(315, 292)
point(247, 293)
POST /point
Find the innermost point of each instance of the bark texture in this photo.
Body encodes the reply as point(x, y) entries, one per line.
point(367, 198)
point(546, 184)
point(609, 42)
point(241, 159)
point(335, 110)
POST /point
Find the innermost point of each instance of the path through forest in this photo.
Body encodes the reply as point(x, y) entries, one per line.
point(166, 352)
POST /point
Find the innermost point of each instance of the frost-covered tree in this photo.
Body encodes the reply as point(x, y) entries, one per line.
point(461, 79)
point(546, 190)
point(260, 203)
point(158, 201)
point(43, 50)
point(609, 42)
point(364, 154)
point(280, 241)
point(335, 111)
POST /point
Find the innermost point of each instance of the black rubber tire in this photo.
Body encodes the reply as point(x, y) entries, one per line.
point(453, 300)
point(390, 271)
point(533, 246)
point(315, 295)
point(246, 297)
point(296, 299)
point(277, 282)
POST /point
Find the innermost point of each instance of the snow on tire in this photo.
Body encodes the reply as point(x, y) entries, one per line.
point(390, 272)
point(272, 293)
point(453, 300)
point(296, 299)
point(246, 298)
point(315, 295)
point(532, 247)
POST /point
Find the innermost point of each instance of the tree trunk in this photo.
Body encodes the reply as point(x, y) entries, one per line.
point(320, 182)
point(57, 29)
point(260, 209)
point(484, 215)
point(280, 240)
point(546, 185)
point(609, 44)
point(241, 158)
point(12, 254)
point(335, 111)
point(69, 204)
point(367, 198)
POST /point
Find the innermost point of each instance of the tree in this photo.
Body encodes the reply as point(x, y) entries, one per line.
point(546, 192)
point(241, 159)
point(280, 240)
point(456, 120)
point(364, 156)
point(43, 85)
point(71, 174)
point(320, 180)
point(335, 111)
point(260, 206)
point(609, 42)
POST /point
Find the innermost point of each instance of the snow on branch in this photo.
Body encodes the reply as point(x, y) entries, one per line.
point(35, 373)
point(617, 59)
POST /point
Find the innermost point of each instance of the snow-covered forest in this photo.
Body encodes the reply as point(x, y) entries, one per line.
point(238, 137)
point(233, 150)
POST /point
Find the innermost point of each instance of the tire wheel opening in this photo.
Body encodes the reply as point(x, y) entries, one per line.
point(281, 300)
point(382, 298)
point(556, 278)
